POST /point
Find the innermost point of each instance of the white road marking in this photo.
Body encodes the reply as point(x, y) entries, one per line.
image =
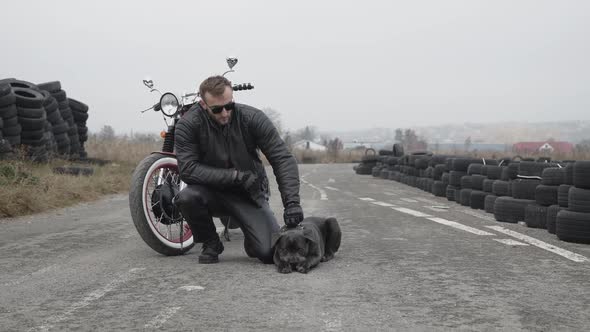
point(460, 226)
point(366, 199)
point(191, 288)
point(330, 180)
point(435, 209)
point(409, 200)
point(323, 195)
point(511, 242)
point(93, 296)
point(383, 204)
point(389, 193)
point(425, 200)
point(412, 212)
point(331, 188)
point(477, 215)
point(543, 245)
point(159, 320)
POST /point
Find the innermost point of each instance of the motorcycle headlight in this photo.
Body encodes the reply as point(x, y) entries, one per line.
point(169, 104)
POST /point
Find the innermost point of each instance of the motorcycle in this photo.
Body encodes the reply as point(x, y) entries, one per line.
point(156, 180)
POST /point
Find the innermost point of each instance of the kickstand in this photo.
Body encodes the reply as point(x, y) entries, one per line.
point(226, 230)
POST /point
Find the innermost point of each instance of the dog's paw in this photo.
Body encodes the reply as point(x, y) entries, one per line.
point(285, 269)
point(327, 257)
point(303, 268)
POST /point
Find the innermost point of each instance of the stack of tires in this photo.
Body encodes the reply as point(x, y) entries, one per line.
point(80, 113)
point(439, 181)
point(573, 223)
point(492, 173)
point(9, 127)
point(38, 120)
point(367, 163)
point(535, 215)
point(55, 89)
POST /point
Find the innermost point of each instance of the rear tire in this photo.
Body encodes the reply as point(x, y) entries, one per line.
point(139, 204)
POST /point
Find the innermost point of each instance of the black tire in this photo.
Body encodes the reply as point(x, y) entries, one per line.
point(12, 131)
point(475, 169)
point(28, 98)
point(33, 135)
point(60, 96)
point(487, 185)
point(501, 188)
point(477, 181)
point(14, 140)
point(535, 216)
point(552, 217)
point(477, 200)
point(489, 202)
point(5, 89)
point(493, 172)
point(563, 195)
point(138, 214)
point(455, 178)
point(80, 117)
point(31, 113)
point(553, 176)
point(466, 182)
point(7, 100)
point(465, 197)
point(10, 122)
point(78, 105)
point(573, 226)
point(569, 174)
point(32, 124)
point(579, 200)
point(54, 118)
point(450, 193)
point(33, 142)
point(439, 189)
point(14, 83)
point(51, 87)
point(458, 195)
point(546, 195)
point(462, 164)
point(524, 188)
point(582, 174)
point(511, 172)
point(60, 128)
point(8, 111)
point(511, 210)
point(445, 178)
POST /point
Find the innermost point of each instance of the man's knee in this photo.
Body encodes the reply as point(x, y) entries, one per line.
point(190, 197)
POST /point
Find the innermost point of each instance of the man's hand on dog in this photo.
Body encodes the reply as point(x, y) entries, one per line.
point(293, 215)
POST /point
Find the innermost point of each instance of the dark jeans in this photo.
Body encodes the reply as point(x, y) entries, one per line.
point(199, 204)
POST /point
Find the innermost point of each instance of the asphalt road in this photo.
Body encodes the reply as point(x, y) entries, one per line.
point(408, 261)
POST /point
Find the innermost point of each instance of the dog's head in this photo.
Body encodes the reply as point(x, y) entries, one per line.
point(292, 245)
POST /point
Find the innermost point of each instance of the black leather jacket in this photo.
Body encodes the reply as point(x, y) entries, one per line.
point(208, 153)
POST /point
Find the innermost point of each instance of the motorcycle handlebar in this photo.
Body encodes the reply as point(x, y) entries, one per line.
point(243, 86)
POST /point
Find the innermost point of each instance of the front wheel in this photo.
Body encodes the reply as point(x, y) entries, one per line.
point(154, 183)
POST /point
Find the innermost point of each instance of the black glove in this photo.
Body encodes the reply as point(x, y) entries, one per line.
point(250, 183)
point(293, 215)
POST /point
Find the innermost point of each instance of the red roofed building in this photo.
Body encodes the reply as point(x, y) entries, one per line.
point(543, 147)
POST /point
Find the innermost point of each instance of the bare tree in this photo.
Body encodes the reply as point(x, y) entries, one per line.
point(275, 117)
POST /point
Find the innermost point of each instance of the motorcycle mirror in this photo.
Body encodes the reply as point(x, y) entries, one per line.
point(231, 62)
point(169, 104)
point(148, 82)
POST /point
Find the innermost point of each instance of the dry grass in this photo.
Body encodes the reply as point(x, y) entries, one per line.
point(27, 188)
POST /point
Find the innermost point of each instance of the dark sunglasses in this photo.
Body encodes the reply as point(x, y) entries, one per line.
point(218, 109)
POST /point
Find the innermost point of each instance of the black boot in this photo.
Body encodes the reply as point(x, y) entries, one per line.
point(211, 249)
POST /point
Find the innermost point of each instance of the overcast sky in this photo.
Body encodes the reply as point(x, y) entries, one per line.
point(335, 64)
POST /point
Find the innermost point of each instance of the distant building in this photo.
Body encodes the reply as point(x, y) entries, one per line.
point(308, 145)
point(543, 147)
point(355, 144)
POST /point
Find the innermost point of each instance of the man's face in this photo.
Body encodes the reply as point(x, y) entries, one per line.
point(212, 101)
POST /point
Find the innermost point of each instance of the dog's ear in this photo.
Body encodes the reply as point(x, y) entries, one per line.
point(275, 237)
point(308, 234)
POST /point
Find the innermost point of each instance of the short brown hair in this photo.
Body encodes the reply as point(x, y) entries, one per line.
point(215, 85)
